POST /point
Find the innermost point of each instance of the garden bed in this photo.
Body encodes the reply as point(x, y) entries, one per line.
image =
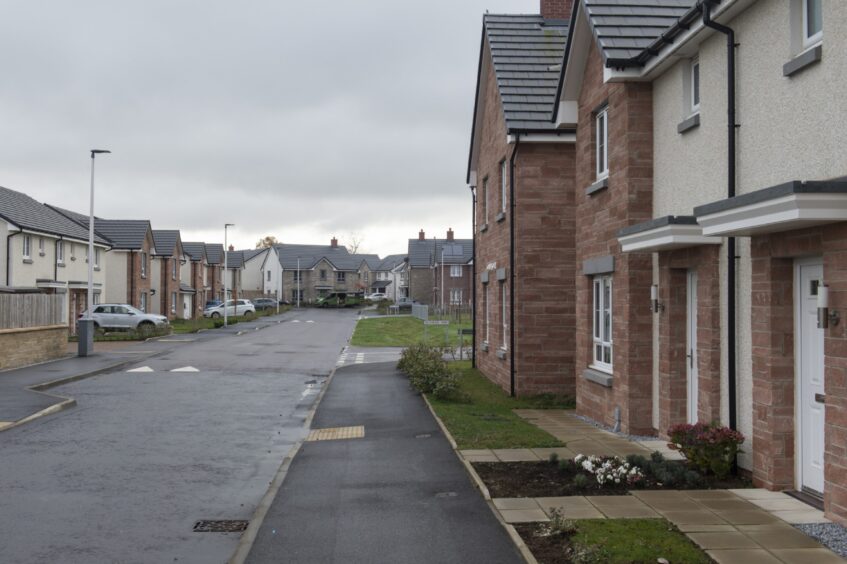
point(613, 541)
point(555, 479)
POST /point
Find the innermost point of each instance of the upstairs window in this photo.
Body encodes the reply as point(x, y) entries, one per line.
point(60, 252)
point(96, 258)
point(269, 275)
point(41, 246)
point(601, 134)
point(456, 271)
point(340, 276)
point(812, 22)
point(504, 184)
point(323, 274)
point(173, 268)
point(695, 85)
point(143, 267)
point(484, 200)
point(27, 247)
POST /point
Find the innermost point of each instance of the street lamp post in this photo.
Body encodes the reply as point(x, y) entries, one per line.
point(226, 270)
point(85, 345)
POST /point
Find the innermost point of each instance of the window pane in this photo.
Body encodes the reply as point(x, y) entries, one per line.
point(695, 84)
point(597, 309)
point(814, 18)
point(598, 353)
point(607, 354)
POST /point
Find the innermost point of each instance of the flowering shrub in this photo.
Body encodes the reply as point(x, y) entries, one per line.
point(709, 447)
point(428, 372)
point(609, 470)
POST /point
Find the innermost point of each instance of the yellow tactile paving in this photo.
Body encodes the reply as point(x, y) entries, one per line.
point(337, 433)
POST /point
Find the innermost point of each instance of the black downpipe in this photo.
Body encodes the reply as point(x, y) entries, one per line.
point(473, 277)
point(9, 257)
point(730, 244)
point(512, 160)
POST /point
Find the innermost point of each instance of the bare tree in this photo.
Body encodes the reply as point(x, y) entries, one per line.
point(355, 244)
point(266, 242)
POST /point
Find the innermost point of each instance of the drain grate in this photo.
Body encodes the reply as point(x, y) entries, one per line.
point(220, 526)
point(423, 436)
point(446, 494)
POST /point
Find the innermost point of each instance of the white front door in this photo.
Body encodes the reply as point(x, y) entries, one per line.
point(810, 376)
point(691, 347)
point(186, 307)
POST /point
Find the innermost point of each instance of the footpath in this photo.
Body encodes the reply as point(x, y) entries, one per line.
point(378, 482)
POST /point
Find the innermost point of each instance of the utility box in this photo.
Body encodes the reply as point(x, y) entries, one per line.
point(85, 334)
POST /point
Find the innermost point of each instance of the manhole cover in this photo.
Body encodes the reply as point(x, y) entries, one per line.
point(446, 494)
point(220, 526)
point(423, 436)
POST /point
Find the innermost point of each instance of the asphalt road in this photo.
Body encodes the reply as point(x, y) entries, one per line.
point(123, 476)
point(398, 495)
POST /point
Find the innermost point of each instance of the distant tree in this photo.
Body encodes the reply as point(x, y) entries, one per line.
point(355, 244)
point(266, 242)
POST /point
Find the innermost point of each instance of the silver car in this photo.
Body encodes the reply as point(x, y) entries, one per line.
point(125, 317)
point(233, 308)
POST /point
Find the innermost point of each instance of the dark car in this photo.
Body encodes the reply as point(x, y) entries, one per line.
point(264, 303)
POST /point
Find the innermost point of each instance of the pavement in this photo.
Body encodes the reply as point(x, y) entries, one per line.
point(193, 428)
point(396, 492)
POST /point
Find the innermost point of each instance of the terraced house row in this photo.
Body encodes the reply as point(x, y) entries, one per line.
point(660, 195)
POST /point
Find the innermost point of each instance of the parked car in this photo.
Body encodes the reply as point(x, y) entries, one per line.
point(404, 303)
point(376, 297)
point(340, 299)
point(212, 303)
point(264, 303)
point(123, 317)
point(233, 308)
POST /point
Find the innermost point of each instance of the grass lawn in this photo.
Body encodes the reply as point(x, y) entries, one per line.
point(484, 418)
point(636, 540)
point(181, 326)
point(404, 331)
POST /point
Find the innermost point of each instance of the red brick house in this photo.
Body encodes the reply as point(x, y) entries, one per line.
point(166, 271)
point(441, 270)
point(214, 270)
point(521, 172)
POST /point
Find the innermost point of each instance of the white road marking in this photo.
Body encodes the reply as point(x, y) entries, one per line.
point(185, 369)
point(141, 369)
point(310, 321)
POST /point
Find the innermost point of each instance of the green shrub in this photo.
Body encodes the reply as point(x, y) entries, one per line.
point(581, 481)
point(554, 458)
point(428, 371)
point(709, 447)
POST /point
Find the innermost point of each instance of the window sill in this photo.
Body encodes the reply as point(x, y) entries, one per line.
point(483, 228)
point(73, 259)
point(27, 261)
point(598, 377)
point(601, 184)
point(41, 254)
point(96, 269)
point(500, 217)
point(60, 264)
point(501, 353)
point(802, 61)
point(484, 346)
point(688, 124)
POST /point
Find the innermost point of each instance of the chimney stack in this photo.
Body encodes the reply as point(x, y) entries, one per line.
point(556, 9)
point(231, 248)
point(421, 235)
point(450, 234)
point(333, 243)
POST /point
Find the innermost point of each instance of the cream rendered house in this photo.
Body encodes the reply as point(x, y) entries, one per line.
point(749, 242)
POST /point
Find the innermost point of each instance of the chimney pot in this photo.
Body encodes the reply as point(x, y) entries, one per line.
point(450, 234)
point(421, 235)
point(556, 9)
point(334, 243)
point(231, 248)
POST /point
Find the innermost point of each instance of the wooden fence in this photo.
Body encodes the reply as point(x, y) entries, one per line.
point(19, 311)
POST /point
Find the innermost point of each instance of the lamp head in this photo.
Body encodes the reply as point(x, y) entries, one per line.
point(99, 152)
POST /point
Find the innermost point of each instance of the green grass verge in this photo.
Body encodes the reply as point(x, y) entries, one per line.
point(484, 418)
point(404, 331)
point(634, 540)
point(182, 326)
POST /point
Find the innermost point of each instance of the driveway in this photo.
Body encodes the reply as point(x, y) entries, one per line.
point(197, 433)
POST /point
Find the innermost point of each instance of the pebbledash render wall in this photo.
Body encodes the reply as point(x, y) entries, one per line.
point(627, 200)
point(783, 136)
point(544, 233)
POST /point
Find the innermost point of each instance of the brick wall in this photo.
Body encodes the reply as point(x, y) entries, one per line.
point(774, 378)
point(556, 9)
point(22, 347)
point(139, 284)
point(626, 201)
point(421, 284)
point(462, 283)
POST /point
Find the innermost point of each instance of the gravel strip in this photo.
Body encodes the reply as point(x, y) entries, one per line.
point(831, 535)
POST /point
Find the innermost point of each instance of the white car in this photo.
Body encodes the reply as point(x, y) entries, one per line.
point(234, 308)
point(123, 316)
point(376, 297)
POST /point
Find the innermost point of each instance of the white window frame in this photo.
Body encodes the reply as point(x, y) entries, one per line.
point(600, 340)
point(60, 252)
point(455, 296)
point(486, 306)
point(504, 184)
point(143, 302)
point(455, 271)
point(73, 250)
point(173, 268)
point(269, 275)
point(505, 314)
point(810, 40)
point(601, 143)
point(144, 265)
point(41, 246)
point(694, 85)
point(485, 201)
point(96, 258)
point(340, 276)
point(173, 302)
point(27, 247)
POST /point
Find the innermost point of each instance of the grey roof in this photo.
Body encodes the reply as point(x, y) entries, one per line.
point(373, 261)
point(195, 250)
point(122, 233)
point(164, 240)
point(428, 252)
point(215, 253)
point(310, 255)
point(27, 213)
point(527, 52)
point(235, 259)
point(627, 30)
point(186, 289)
point(389, 262)
point(247, 254)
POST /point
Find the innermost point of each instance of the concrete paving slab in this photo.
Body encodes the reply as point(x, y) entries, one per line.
point(481, 458)
point(476, 452)
point(807, 556)
point(722, 504)
point(743, 556)
point(523, 516)
point(622, 507)
point(781, 538)
point(746, 517)
point(515, 503)
point(561, 452)
point(777, 504)
point(703, 517)
point(758, 493)
point(722, 540)
point(801, 517)
point(706, 528)
point(710, 494)
point(574, 507)
point(515, 455)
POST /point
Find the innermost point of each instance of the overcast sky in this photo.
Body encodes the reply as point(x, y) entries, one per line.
point(301, 120)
